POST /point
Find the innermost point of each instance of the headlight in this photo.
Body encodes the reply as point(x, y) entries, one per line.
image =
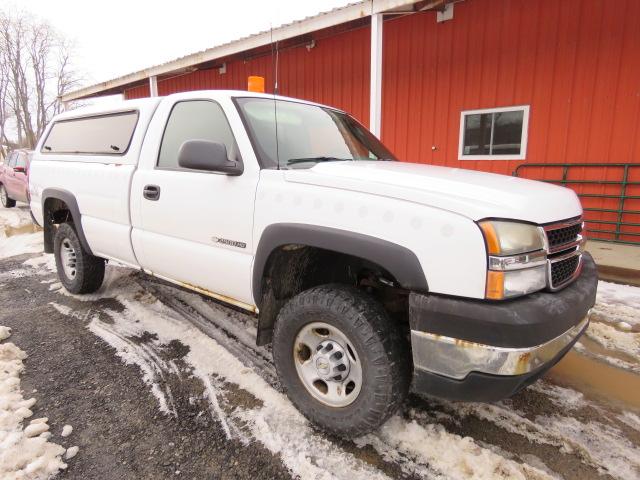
point(509, 238)
point(516, 259)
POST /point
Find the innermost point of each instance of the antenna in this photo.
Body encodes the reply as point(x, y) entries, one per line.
point(275, 54)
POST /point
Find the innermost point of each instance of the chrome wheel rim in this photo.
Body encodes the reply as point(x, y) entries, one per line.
point(327, 364)
point(68, 258)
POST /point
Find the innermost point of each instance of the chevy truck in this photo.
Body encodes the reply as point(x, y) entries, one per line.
point(367, 275)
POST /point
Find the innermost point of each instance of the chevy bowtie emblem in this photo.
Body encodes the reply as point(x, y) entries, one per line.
point(231, 243)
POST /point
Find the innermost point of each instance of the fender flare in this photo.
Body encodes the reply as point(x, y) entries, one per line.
point(70, 200)
point(399, 261)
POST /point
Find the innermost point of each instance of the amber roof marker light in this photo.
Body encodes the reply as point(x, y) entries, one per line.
point(255, 84)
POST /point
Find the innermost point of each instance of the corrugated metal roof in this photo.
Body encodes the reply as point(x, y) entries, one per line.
point(310, 24)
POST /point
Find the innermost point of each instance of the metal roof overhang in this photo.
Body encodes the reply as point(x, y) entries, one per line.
point(298, 28)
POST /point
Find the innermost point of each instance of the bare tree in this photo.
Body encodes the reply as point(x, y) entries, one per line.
point(35, 70)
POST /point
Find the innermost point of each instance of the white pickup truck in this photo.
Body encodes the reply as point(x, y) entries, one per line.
point(366, 274)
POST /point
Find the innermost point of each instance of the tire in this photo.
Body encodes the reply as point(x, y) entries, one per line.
point(4, 198)
point(83, 272)
point(374, 344)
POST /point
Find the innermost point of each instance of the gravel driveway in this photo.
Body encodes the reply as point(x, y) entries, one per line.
point(158, 383)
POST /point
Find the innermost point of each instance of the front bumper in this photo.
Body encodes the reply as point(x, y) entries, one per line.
point(479, 350)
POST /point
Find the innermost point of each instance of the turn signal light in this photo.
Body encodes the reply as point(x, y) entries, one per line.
point(495, 285)
point(255, 84)
point(491, 237)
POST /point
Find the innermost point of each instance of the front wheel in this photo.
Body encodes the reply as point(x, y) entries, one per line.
point(78, 270)
point(341, 360)
point(4, 198)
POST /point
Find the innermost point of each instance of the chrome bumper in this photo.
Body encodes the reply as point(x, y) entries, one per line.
point(455, 358)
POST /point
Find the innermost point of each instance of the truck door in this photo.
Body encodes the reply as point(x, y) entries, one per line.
point(195, 227)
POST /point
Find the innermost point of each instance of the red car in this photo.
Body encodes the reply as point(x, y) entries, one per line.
point(14, 180)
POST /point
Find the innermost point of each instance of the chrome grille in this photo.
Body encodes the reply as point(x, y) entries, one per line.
point(563, 235)
point(564, 248)
point(562, 271)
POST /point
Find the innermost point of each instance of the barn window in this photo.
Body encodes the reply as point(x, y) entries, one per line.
point(494, 133)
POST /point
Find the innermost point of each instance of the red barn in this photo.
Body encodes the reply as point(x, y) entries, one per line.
point(544, 89)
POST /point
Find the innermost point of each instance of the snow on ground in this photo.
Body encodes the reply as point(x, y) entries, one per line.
point(415, 441)
point(11, 245)
point(426, 450)
point(614, 339)
point(16, 217)
point(25, 452)
point(20, 244)
point(601, 444)
point(618, 303)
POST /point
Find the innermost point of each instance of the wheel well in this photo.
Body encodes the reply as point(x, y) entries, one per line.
point(293, 268)
point(55, 212)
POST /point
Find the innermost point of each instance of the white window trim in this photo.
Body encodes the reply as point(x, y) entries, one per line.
point(523, 144)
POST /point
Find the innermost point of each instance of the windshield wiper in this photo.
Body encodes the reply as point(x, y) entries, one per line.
point(293, 161)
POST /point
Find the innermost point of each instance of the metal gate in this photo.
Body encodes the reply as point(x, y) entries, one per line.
point(613, 213)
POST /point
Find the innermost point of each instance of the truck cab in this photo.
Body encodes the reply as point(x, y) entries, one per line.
point(366, 274)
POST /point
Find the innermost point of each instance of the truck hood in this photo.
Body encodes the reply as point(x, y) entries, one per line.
point(473, 194)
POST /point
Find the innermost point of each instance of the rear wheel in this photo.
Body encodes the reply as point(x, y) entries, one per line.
point(4, 198)
point(78, 270)
point(341, 360)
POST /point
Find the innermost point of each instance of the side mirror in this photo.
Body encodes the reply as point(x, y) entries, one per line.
point(209, 156)
point(19, 170)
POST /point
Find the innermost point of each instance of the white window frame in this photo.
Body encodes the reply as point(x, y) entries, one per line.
point(523, 143)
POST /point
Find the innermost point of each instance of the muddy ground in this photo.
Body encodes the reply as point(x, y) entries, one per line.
point(162, 383)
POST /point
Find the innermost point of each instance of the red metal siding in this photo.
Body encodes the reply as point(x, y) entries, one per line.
point(335, 72)
point(137, 92)
point(575, 62)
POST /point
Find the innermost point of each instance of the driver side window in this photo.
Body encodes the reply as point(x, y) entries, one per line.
point(195, 120)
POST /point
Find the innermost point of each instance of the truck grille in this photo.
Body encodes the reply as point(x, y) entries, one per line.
point(564, 243)
point(557, 237)
point(562, 271)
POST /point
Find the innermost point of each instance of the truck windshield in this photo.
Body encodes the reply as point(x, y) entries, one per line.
point(306, 134)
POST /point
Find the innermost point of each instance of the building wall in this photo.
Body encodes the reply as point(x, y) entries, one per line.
point(334, 72)
point(575, 62)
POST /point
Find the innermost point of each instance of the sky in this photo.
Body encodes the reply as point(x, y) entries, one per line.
point(116, 37)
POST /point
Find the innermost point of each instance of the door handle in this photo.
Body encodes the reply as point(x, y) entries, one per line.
point(151, 192)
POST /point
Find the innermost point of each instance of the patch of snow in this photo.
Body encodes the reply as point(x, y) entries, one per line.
point(132, 353)
point(24, 453)
point(630, 419)
point(451, 455)
point(71, 452)
point(20, 244)
point(45, 263)
point(66, 430)
point(16, 217)
point(605, 446)
point(35, 429)
point(616, 362)
point(276, 423)
point(600, 445)
point(613, 339)
point(565, 398)
point(5, 332)
point(63, 309)
point(618, 303)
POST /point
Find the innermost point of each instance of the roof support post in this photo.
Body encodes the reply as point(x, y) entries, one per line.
point(375, 100)
point(153, 86)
